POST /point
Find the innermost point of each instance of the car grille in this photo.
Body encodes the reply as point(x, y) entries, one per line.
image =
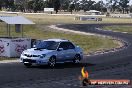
point(29, 60)
point(31, 55)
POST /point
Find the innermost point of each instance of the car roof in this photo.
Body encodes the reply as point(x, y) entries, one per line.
point(57, 40)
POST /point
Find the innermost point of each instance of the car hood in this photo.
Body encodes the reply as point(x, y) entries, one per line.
point(33, 51)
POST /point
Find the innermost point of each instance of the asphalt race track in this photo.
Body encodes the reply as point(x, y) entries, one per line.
point(114, 65)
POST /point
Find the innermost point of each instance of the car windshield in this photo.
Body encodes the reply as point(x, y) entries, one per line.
point(49, 45)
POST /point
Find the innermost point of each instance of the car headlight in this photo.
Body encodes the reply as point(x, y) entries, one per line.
point(42, 56)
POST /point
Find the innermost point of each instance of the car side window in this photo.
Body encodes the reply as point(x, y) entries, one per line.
point(70, 45)
point(66, 45)
point(63, 45)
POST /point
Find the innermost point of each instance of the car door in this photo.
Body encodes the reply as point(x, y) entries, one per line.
point(62, 55)
point(70, 51)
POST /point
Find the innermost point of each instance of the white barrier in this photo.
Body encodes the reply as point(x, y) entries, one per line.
point(48, 9)
point(120, 15)
point(87, 18)
point(130, 15)
point(13, 47)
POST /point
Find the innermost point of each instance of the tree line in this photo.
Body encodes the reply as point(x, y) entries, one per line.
point(66, 5)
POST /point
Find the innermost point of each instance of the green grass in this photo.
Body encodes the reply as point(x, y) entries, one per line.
point(119, 28)
point(3, 31)
point(41, 31)
point(7, 58)
point(69, 19)
point(88, 43)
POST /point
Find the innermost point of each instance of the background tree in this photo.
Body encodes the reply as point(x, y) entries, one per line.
point(112, 4)
point(71, 7)
point(21, 5)
point(37, 5)
point(77, 5)
point(99, 6)
point(130, 8)
point(49, 3)
point(56, 5)
point(30, 6)
point(64, 5)
point(1, 3)
point(115, 5)
point(87, 5)
point(8, 4)
point(124, 5)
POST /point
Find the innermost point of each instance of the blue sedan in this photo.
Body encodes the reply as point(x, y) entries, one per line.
point(51, 52)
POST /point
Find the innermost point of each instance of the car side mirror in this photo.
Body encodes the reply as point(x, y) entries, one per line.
point(60, 49)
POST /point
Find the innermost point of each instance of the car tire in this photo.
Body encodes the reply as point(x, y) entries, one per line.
point(77, 59)
point(52, 61)
point(27, 64)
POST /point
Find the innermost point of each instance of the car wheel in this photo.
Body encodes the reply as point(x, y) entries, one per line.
point(76, 59)
point(27, 64)
point(52, 61)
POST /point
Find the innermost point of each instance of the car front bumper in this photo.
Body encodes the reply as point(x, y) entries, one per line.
point(39, 61)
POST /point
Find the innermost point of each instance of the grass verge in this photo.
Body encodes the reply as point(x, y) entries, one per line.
point(119, 28)
point(41, 31)
point(42, 18)
point(60, 19)
point(6, 59)
point(69, 19)
point(88, 43)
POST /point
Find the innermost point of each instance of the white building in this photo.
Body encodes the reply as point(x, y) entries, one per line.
point(93, 12)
